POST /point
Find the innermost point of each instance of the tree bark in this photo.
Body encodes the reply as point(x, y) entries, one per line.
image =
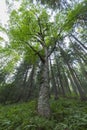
point(43, 100)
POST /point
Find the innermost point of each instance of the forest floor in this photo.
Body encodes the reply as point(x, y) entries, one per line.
point(67, 114)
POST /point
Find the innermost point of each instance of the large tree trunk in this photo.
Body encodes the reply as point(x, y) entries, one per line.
point(43, 100)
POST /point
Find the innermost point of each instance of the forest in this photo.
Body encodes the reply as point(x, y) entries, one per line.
point(43, 65)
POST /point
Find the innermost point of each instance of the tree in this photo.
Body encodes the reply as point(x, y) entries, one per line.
point(33, 34)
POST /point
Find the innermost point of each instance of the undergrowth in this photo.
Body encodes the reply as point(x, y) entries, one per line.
point(67, 114)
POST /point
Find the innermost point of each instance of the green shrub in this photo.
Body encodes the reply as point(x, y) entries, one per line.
point(66, 115)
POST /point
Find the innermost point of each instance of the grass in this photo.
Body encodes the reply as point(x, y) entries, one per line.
point(67, 114)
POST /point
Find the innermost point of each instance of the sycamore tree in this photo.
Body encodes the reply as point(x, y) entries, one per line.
point(34, 34)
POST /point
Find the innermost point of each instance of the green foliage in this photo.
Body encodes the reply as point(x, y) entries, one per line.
point(1, 39)
point(67, 114)
point(30, 27)
point(70, 114)
point(7, 92)
point(75, 14)
point(9, 58)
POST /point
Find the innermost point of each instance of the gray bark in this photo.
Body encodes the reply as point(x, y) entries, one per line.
point(43, 100)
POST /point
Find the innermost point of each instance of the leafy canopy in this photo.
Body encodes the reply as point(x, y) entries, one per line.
point(31, 29)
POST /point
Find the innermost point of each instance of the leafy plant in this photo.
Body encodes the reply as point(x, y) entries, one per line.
point(67, 114)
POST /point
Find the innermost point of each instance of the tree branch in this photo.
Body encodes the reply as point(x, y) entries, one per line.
point(79, 42)
point(53, 48)
point(36, 52)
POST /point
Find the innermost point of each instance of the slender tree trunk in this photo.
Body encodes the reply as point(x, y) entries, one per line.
point(54, 83)
point(29, 85)
point(81, 93)
point(82, 44)
point(43, 100)
point(62, 91)
point(66, 83)
point(78, 52)
point(61, 84)
point(57, 75)
point(72, 83)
